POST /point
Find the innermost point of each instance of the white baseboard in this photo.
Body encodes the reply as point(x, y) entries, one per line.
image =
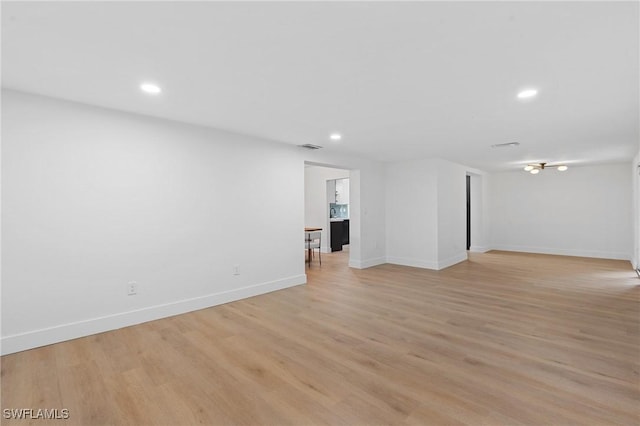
point(435, 265)
point(358, 264)
point(565, 252)
point(60, 333)
point(416, 263)
point(479, 249)
point(460, 257)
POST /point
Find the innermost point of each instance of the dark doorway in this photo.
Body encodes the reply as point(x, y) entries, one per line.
point(468, 212)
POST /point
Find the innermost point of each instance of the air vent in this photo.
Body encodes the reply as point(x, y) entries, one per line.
point(506, 145)
point(310, 146)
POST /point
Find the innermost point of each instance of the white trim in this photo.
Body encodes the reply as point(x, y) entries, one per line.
point(565, 252)
point(357, 264)
point(460, 257)
point(435, 265)
point(60, 333)
point(416, 263)
point(479, 249)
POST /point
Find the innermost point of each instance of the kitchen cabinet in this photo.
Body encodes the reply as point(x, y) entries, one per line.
point(339, 234)
point(345, 232)
point(336, 235)
point(338, 191)
point(342, 191)
point(331, 191)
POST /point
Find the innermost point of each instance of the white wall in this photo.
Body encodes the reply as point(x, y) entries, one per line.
point(452, 213)
point(316, 204)
point(412, 213)
point(93, 199)
point(367, 207)
point(426, 213)
point(585, 211)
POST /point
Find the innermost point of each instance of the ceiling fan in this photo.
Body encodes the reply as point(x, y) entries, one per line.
point(534, 169)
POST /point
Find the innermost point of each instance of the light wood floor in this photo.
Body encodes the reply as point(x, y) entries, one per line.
point(503, 339)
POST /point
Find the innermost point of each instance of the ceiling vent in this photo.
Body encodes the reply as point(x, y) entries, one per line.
point(506, 145)
point(310, 146)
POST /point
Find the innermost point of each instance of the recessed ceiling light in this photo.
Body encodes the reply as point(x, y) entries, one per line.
point(335, 136)
point(150, 88)
point(535, 171)
point(527, 93)
point(528, 168)
point(562, 168)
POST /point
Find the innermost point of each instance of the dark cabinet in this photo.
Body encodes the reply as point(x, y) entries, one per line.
point(345, 231)
point(339, 234)
point(336, 235)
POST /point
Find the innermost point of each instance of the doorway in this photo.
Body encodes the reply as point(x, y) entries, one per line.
point(327, 206)
point(468, 212)
point(339, 218)
point(476, 227)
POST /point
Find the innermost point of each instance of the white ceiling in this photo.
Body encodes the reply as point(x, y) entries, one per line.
point(398, 80)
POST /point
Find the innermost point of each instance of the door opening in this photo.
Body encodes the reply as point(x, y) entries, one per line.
point(468, 212)
point(328, 210)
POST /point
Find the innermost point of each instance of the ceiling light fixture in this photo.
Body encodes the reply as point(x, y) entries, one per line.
point(150, 88)
point(534, 169)
point(527, 93)
point(335, 136)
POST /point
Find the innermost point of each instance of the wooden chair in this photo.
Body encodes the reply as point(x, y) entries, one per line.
point(313, 241)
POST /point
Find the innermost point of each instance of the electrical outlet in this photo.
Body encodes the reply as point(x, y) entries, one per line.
point(236, 269)
point(132, 288)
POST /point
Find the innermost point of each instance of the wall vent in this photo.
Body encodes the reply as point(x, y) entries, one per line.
point(310, 146)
